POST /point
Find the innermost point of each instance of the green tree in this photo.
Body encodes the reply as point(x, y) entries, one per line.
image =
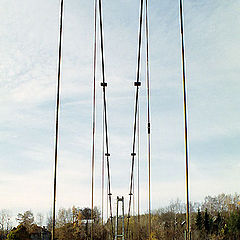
point(26, 219)
point(233, 225)
point(206, 221)
point(217, 225)
point(86, 213)
point(199, 220)
point(19, 233)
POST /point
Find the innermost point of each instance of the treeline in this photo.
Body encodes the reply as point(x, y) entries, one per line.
point(217, 218)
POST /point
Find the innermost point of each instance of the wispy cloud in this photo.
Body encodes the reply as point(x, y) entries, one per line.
point(28, 67)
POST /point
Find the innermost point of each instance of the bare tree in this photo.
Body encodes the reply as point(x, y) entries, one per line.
point(5, 222)
point(39, 219)
point(26, 219)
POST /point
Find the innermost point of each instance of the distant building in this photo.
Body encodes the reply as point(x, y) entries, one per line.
point(84, 221)
point(40, 233)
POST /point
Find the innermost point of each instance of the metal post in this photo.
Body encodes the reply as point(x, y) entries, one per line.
point(123, 218)
point(117, 235)
point(116, 227)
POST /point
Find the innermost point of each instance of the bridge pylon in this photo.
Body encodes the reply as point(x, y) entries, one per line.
point(119, 218)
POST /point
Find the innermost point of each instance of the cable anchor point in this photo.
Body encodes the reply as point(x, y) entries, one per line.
point(137, 84)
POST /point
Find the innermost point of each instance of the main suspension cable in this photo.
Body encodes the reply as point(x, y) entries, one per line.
point(104, 85)
point(94, 110)
point(148, 119)
point(138, 171)
point(57, 118)
point(188, 234)
point(137, 84)
point(103, 164)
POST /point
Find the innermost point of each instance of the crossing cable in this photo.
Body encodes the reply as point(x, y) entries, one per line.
point(104, 85)
point(137, 84)
point(103, 164)
point(188, 234)
point(103, 173)
point(57, 118)
point(103, 170)
point(138, 171)
point(148, 119)
point(94, 109)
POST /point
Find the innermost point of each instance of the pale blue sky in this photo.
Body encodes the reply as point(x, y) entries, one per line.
point(28, 67)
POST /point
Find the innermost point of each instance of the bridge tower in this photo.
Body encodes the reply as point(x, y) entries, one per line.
point(119, 218)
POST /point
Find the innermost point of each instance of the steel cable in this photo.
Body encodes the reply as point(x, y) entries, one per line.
point(57, 118)
point(94, 110)
point(137, 84)
point(138, 170)
point(188, 235)
point(148, 119)
point(104, 85)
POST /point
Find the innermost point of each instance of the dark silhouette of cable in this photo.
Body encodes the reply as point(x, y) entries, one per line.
point(137, 84)
point(57, 118)
point(94, 110)
point(188, 234)
point(103, 167)
point(104, 85)
point(148, 120)
point(138, 172)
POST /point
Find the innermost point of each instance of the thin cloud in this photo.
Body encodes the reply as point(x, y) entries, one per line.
point(28, 71)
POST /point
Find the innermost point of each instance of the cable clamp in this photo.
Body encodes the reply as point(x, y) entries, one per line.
point(109, 194)
point(103, 84)
point(130, 194)
point(133, 154)
point(137, 84)
point(107, 154)
point(149, 128)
